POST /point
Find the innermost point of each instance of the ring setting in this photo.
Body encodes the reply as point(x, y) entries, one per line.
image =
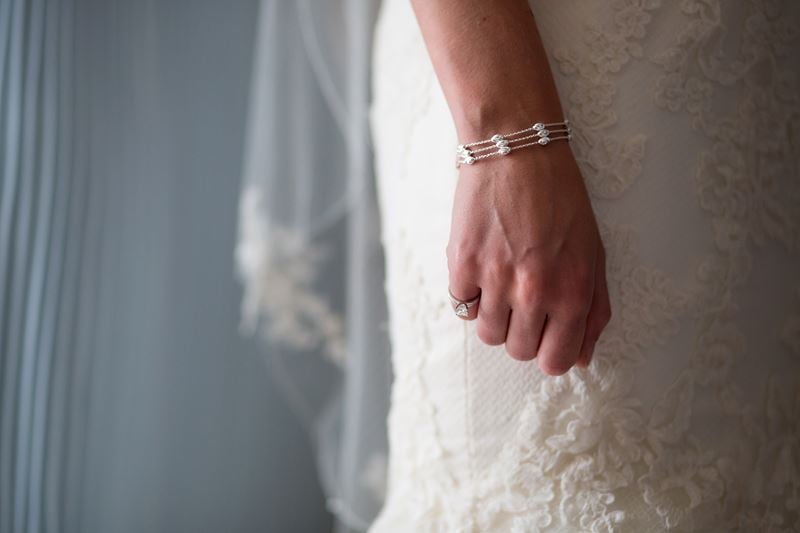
point(461, 307)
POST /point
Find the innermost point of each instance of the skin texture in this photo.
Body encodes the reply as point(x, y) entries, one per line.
point(523, 233)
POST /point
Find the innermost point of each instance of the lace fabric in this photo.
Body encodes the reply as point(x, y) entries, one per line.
point(686, 120)
point(308, 253)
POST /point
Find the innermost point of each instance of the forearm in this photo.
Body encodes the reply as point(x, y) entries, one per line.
point(490, 62)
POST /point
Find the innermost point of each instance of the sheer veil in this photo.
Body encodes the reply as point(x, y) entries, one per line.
point(309, 254)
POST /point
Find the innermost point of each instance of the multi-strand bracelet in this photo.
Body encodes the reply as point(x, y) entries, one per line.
point(501, 144)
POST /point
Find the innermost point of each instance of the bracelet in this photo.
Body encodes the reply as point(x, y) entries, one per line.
point(501, 143)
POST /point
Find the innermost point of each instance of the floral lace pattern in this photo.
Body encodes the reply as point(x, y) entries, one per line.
point(612, 164)
point(278, 267)
point(589, 450)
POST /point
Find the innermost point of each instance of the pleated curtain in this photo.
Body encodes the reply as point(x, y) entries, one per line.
point(46, 286)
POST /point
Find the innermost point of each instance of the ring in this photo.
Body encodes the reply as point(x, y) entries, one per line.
point(461, 307)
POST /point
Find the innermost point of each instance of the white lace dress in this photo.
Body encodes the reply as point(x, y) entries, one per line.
point(687, 130)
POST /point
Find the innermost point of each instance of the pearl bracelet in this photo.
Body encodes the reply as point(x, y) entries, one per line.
point(501, 143)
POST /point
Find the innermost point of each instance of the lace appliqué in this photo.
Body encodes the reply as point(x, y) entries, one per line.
point(582, 428)
point(438, 499)
point(747, 183)
point(614, 164)
point(278, 268)
point(790, 333)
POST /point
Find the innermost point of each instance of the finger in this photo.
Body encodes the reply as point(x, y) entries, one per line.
point(465, 291)
point(493, 315)
point(524, 333)
point(561, 342)
point(599, 312)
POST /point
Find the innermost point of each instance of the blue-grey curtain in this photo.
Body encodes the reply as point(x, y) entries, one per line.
point(42, 276)
point(128, 399)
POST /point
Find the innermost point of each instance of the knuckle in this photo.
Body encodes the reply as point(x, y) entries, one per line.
point(582, 282)
point(495, 270)
point(529, 288)
point(461, 256)
point(575, 298)
point(578, 306)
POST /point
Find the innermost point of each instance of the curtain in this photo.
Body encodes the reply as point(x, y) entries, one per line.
point(129, 400)
point(43, 280)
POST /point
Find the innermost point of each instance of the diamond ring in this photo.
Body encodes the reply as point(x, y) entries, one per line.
point(461, 307)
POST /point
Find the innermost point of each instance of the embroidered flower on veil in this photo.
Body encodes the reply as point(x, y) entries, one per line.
point(278, 268)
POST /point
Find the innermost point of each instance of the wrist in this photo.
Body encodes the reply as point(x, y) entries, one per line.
point(479, 118)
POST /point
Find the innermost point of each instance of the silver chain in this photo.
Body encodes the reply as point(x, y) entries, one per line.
point(501, 144)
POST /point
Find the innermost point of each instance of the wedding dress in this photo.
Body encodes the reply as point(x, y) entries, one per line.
point(686, 119)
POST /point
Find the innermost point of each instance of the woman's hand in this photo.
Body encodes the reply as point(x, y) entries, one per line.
point(523, 233)
point(524, 236)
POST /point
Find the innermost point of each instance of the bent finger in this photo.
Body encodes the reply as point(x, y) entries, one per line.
point(524, 333)
point(493, 315)
point(599, 313)
point(561, 343)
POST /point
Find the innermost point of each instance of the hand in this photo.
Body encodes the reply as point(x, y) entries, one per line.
point(524, 236)
point(523, 233)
